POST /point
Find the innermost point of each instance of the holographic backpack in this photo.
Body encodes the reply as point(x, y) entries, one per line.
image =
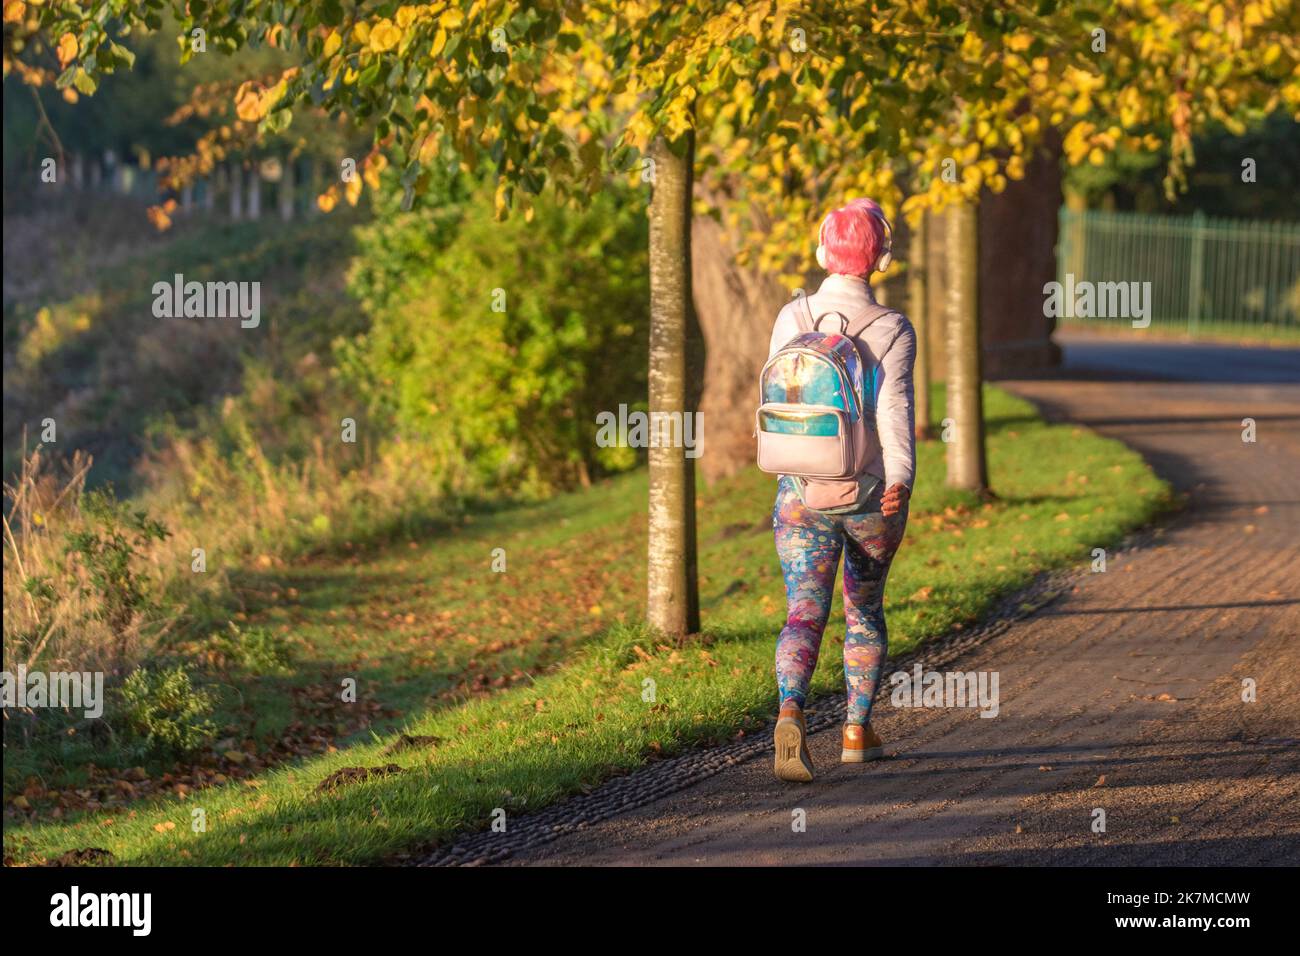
point(816, 407)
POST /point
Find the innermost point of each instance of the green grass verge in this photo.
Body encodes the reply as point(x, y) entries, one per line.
point(571, 594)
point(1228, 333)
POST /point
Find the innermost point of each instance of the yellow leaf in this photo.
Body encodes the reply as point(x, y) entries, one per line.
point(429, 148)
point(332, 43)
point(384, 36)
point(374, 166)
point(67, 48)
point(15, 11)
point(250, 104)
point(159, 218)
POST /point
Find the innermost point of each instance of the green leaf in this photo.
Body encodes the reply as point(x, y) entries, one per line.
point(121, 55)
point(84, 82)
point(278, 121)
point(331, 13)
point(534, 181)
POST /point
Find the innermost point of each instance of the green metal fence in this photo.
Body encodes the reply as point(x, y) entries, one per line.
point(1206, 275)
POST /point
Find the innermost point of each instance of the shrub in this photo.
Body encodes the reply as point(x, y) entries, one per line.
point(257, 650)
point(164, 714)
point(108, 546)
point(493, 345)
point(82, 572)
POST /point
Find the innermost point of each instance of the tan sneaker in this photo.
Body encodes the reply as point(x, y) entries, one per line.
point(861, 744)
point(793, 761)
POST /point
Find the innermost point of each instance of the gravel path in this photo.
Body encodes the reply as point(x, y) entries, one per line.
point(1121, 693)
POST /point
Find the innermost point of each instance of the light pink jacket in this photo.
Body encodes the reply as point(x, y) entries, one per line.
point(889, 344)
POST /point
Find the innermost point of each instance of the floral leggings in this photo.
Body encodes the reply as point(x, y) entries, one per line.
point(809, 543)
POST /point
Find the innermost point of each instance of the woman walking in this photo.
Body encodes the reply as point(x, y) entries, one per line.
point(862, 518)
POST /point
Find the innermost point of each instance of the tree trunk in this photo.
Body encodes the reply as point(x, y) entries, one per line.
point(236, 191)
point(673, 604)
point(966, 465)
point(285, 196)
point(917, 311)
point(255, 193)
point(1018, 242)
point(736, 306)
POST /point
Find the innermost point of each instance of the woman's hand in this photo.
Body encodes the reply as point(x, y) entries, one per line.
point(894, 498)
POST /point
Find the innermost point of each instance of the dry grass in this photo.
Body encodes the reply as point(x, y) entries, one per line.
point(243, 510)
point(56, 615)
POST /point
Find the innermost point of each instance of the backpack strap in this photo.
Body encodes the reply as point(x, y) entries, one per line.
point(859, 323)
point(866, 318)
point(804, 316)
point(850, 327)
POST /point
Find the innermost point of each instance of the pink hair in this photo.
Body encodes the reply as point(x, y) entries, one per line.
point(853, 236)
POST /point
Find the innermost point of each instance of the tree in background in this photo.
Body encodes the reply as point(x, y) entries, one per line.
point(783, 99)
point(917, 311)
point(1129, 180)
point(967, 468)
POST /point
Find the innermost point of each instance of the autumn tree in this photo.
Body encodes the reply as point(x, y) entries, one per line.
point(791, 106)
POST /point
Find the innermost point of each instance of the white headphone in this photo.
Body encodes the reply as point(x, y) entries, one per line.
point(886, 255)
